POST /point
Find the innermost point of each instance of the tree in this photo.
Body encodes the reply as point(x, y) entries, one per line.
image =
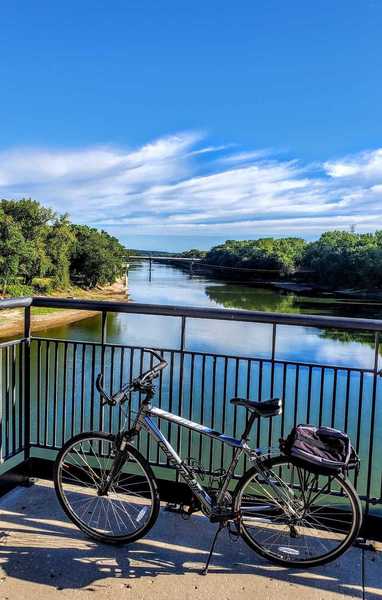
point(97, 258)
point(266, 253)
point(60, 241)
point(12, 248)
point(33, 220)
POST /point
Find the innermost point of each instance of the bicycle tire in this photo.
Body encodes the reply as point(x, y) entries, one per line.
point(92, 532)
point(277, 557)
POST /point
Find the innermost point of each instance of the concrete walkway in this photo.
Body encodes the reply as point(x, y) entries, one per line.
point(43, 556)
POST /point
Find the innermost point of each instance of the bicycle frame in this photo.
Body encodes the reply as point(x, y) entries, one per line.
point(144, 421)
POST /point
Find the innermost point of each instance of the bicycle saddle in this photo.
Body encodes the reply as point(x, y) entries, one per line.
point(266, 408)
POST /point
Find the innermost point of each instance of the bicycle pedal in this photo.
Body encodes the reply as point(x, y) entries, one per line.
point(173, 507)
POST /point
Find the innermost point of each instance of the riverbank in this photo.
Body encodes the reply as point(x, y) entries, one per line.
point(12, 321)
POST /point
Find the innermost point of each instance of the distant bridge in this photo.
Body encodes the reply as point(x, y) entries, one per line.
point(191, 262)
point(154, 257)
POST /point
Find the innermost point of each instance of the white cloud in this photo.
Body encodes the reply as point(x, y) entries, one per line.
point(175, 185)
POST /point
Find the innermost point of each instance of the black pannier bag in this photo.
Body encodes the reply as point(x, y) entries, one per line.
point(322, 449)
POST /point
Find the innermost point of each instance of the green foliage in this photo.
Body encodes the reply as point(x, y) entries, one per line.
point(97, 258)
point(12, 249)
point(194, 253)
point(266, 253)
point(15, 290)
point(337, 259)
point(33, 219)
point(60, 242)
point(43, 285)
point(43, 251)
point(341, 258)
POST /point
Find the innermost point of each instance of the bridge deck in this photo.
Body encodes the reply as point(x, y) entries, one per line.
point(44, 557)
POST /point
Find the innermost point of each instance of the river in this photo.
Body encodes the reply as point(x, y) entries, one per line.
point(170, 285)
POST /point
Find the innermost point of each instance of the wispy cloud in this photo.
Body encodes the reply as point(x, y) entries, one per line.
point(177, 185)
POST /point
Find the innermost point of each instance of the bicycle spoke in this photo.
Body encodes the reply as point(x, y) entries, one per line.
point(118, 511)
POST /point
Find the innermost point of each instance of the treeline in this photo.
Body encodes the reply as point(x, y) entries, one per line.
point(41, 251)
point(338, 258)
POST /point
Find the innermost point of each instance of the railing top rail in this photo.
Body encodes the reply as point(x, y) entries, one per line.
point(211, 313)
point(15, 303)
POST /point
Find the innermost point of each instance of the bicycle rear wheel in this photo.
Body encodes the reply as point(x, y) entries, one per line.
point(131, 505)
point(294, 517)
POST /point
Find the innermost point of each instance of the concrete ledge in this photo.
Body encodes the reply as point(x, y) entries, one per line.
point(42, 555)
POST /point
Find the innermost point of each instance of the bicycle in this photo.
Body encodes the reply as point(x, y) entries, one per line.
point(287, 513)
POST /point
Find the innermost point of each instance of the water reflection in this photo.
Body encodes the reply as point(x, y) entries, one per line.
point(169, 285)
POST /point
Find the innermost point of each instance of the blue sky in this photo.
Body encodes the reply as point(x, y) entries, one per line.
point(178, 124)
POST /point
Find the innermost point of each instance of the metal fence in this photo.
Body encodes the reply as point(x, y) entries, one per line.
point(48, 391)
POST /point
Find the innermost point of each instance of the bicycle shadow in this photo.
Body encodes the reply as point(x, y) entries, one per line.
point(36, 532)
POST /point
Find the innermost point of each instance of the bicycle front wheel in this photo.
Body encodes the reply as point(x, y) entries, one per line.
point(130, 506)
point(294, 517)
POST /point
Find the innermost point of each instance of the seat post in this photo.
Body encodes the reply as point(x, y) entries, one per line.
point(248, 426)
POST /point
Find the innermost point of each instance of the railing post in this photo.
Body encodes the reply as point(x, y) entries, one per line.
point(274, 336)
point(26, 382)
point(103, 342)
point(372, 421)
point(181, 376)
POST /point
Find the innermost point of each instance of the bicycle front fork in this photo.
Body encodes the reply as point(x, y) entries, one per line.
point(118, 462)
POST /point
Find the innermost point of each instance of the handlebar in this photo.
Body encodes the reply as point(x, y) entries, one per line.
point(142, 383)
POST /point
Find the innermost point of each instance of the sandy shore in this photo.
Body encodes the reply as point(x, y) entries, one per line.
point(12, 321)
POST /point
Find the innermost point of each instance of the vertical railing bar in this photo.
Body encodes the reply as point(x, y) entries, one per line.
point(308, 404)
point(160, 406)
point(224, 409)
point(334, 397)
point(347, 400)
point(131, 367)
point(359, 420)
point(192, 356)
point(55, 398)
point(111, 387)
point(170, 391)
point(121, 382)
point(6, 412)
point(270, 421)
point(296, 389)
point(372, 420)
point(148, 437)
point(47, 366)
point(92, 386)
point(64, 389)
point(274, 333)
point(213, 399)
point(322, 387)
point(181, 379)
point(83, 383)
point(283, 390)
point(103, 342)
point(74, 359)
point(141, 362)
point(248, 391)
point(21, 430)
point(202, 404)
point(38, 391)
point(259, 398)
point(26, 382)
point(13, 399)
point(236, 394)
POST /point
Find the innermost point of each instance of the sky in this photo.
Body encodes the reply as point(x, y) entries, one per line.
point(182, 124)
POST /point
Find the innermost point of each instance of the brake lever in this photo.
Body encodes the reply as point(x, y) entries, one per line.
point(105, 398)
